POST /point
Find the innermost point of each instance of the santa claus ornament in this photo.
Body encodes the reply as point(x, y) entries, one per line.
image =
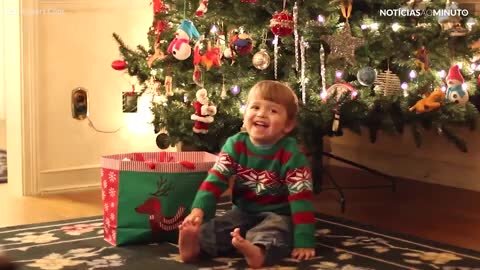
point(204, 112)
point(455, 91)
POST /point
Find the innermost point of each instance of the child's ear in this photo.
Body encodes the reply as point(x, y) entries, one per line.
point(290, 125)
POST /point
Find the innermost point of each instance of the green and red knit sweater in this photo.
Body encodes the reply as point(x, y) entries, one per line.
point(276, 179)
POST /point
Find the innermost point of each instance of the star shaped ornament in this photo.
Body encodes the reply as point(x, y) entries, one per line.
point(343, 44)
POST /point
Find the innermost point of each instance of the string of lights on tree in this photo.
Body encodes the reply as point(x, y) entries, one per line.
point(351, 67)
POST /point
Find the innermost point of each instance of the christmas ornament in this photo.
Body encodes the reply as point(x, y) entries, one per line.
point(227, 53)
point(454, 76)
point(275, 56)
point(455, 92)
point(119, 64)
point(207, 55)
point(303, 79)
point(158, 6)
point(163, 141)
point(337, 91)
point(204, 112)
point(323, 93)
point(168, 85)
point(158, 55)
point(388, 83)
point(197, 76)
point(295, 35)
point(452, 24)
point(180, 46)
point(429, 103)
point(235, 90)
point(422, 59)
point(261, 59)
point(242, 44)
point(160, 26)
point(202, 8)
point(282, 23)
point(346, 7)
point(366, 76)
point(343, 44)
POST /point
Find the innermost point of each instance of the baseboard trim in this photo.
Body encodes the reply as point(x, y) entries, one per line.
point(67, 189)
point(69, 169)
point(69, 179)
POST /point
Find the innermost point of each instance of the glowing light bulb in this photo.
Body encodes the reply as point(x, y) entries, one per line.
point(338, 74)
point(354, 94)
point(374, 26)
point(464, 86)
point(442, 73)
point(364, 26)
point(321, 19)
point(396, 26)
point(323, 95)
point(275, 40)
point(242, 108)
point(412, 74)
point(404, 86)
point(443, 88)
point(214, 29)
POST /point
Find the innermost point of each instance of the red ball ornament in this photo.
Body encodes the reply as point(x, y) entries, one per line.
point(119, 65)
point(281, 23)
point(242, 44)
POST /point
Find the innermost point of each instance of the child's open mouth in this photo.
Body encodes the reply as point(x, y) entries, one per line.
point(260, 124)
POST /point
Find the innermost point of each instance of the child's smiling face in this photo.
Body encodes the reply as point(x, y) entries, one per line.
point(266, 121)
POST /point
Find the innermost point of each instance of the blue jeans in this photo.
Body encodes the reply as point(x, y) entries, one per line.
point(269, 230)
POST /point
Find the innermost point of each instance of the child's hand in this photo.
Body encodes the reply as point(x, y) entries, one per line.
point(195, 218)
point(303, 253)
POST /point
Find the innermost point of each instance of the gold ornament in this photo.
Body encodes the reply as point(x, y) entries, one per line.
point(388, 83)
point(343, 44)
point(261, 59)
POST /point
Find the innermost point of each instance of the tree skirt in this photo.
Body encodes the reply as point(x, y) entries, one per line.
point(79, 244)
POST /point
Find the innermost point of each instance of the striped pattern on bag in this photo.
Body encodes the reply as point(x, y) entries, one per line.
point(203, 161)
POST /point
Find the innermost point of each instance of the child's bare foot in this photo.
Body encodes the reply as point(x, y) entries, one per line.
point(254, 255)
point(188, 242)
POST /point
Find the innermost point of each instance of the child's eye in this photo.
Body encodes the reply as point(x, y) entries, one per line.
point(274, 111)
point(254, 107)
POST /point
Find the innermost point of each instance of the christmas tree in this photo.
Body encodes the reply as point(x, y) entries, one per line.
point(391, 65)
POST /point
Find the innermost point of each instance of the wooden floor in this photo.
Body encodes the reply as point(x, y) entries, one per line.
point(428, 211)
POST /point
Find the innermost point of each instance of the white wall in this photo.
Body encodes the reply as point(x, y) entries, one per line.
point(76, 48)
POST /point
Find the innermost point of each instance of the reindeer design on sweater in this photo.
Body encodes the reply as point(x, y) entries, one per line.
point(153, 207)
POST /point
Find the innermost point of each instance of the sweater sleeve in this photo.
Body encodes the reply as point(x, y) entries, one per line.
point(217, 180)
point(299, 181)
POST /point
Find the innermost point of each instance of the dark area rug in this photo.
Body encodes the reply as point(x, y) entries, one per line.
point(3, 166)
point(79, 244)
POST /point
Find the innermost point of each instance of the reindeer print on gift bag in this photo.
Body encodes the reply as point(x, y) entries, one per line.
point(147, 195)
point(153, 207)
